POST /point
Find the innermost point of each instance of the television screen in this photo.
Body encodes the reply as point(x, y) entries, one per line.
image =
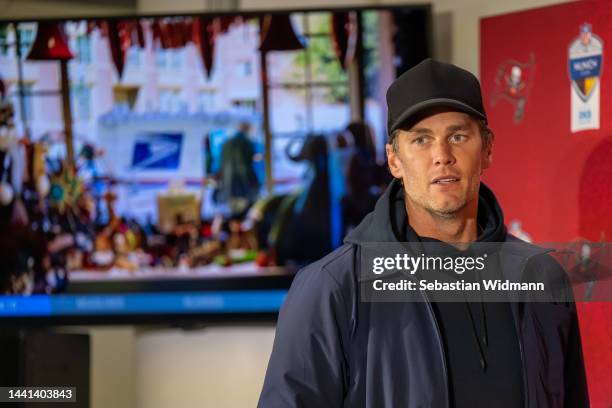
point(188, 165)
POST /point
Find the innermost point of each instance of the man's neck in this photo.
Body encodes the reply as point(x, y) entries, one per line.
point(461, 227)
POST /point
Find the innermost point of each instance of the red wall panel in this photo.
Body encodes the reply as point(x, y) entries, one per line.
point(557, 183)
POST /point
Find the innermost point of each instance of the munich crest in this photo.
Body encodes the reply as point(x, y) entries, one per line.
point(585, 62)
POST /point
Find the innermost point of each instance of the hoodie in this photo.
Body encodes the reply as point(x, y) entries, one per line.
point(334, 350)
point(480, 340)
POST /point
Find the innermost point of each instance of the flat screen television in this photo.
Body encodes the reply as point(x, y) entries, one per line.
point(125, 210)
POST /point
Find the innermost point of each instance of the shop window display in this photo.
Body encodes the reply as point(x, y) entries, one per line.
point(165, 184)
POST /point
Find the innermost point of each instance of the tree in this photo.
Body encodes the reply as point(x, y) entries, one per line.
point(324, 66)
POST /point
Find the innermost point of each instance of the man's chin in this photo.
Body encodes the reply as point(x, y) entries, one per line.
point(447, 210)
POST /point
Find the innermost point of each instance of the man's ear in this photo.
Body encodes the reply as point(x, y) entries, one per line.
point(487, 157)
point(393, 161)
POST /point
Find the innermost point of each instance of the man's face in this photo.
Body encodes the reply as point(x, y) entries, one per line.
point(440, 160)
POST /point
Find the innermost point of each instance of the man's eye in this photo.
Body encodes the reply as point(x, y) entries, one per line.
point(457, 138)
point(419, 140)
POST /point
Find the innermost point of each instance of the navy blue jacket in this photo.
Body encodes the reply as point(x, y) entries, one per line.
point(332, 350)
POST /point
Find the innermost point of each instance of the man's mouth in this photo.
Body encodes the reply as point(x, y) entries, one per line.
point(445, 180)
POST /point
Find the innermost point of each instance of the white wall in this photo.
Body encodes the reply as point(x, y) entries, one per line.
point(113, 371)
point(148, 367)
point(466, 15)
point(221, 366)
point(113, 367)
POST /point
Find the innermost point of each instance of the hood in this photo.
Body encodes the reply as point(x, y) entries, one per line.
point(388, 222)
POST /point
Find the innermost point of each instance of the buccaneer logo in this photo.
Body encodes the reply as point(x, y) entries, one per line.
point(585, 63)
point(513, 83)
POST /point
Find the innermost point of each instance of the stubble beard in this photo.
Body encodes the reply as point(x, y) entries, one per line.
point(450, 211)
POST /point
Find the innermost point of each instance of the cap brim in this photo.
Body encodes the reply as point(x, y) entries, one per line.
point(435, 103)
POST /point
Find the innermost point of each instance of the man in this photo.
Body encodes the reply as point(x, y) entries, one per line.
point(333, 349)
point(238, 182)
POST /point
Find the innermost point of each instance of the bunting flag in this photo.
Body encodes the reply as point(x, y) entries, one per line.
point(168, 33)
point(205, 30)
point(138, 36)
point(50, 43)
point(158, 37)
point(173, 33)
point(344, 36)
point(277, 34)
point(121, 35)
point(116, 46)
point(226, 21)
point(184, 31)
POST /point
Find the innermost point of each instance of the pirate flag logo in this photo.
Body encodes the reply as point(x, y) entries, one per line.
point(585, 67)
point(513, 82)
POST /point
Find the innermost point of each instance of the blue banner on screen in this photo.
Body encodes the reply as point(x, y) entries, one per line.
point(157, 151)
point(254, 301)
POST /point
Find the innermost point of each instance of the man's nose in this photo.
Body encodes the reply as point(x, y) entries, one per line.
point(442, 154)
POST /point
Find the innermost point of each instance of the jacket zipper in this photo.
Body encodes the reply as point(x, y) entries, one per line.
point(519, 335)
point(439, 340)
point(520, 343)
point(519, 328)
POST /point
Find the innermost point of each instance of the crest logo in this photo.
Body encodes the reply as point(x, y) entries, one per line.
point(585, 67)
point(586, 57)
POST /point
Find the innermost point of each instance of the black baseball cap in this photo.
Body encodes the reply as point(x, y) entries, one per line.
point(432, 84)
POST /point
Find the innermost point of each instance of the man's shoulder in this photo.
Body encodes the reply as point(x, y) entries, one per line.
point(336, 268)
point(543, 266)
point(521, 247)
point(323, 285)
point(338, 262)
point(537, 255)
